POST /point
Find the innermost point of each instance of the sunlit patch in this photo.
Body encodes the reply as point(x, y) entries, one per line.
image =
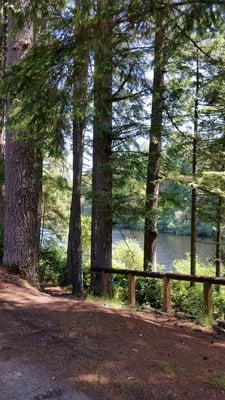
point(220, 345)
point(93, 378)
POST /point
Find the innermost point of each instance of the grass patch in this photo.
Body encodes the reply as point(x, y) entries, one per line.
point(218, 382)
point(169, 371)
point(106, 301)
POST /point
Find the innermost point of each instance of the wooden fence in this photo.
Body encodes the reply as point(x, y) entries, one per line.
point(167, 288)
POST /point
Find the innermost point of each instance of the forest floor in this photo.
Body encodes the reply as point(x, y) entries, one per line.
point(58, 348)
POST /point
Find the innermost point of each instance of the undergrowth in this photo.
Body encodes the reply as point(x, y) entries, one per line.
point(52, 267)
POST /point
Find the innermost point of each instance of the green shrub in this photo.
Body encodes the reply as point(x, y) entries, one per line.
point(128, 254)
point(188, 299)
point(184, 298)
point(121, 288)
point(87, 279)
point(219, 303)
point(183, 267)
point(86, 240)
point(52, 261)
point(52, 265)
point(149, 292)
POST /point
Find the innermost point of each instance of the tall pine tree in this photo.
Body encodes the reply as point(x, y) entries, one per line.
point(21, 166)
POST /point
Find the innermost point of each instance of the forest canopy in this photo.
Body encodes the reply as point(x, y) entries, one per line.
point(112, 116)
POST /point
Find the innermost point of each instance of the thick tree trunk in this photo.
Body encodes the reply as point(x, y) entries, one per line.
point(152, 189)
point(218, 239)
point(194, 191)
point(101, 251)
point(2, 107)
point(2, 69)
point(22, 174)
point(39, 190)
point(74, 249)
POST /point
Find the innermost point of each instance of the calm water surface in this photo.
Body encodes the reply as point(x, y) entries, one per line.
point(171, 247)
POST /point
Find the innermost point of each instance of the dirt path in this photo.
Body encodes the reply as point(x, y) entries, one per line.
point(52, 348)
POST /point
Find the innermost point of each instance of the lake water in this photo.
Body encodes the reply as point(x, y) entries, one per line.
point(171, 247)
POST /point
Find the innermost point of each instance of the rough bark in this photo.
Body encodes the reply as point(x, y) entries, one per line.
point(218, 239)
point(22, 174)
point(2, 107)
point(101, 251)
point(39, 191)
point(2, 69)
point(194, 168)
point(74, 249)
point(152, 188)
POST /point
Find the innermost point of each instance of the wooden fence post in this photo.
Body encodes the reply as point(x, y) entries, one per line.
point(132, 287)
point(207, 296)
point(104, 283)
point(167, 295)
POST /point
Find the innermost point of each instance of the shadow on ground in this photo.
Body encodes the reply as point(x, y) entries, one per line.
point(53, 348)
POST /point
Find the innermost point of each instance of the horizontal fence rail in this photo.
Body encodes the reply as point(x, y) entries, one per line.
point(167, 277)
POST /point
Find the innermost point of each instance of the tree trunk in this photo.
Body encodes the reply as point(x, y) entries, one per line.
point(2, 68)
point(74, 250)
point(194, 191)
point(218, 238)
point(101, 251)
point(39, 179)
point(152, 189)
point(2, 107)
point(22, 175)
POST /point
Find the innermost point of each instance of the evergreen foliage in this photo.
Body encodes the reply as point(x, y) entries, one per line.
point(103, 78)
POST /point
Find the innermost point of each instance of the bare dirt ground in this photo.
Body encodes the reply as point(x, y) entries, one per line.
point(57, 348)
